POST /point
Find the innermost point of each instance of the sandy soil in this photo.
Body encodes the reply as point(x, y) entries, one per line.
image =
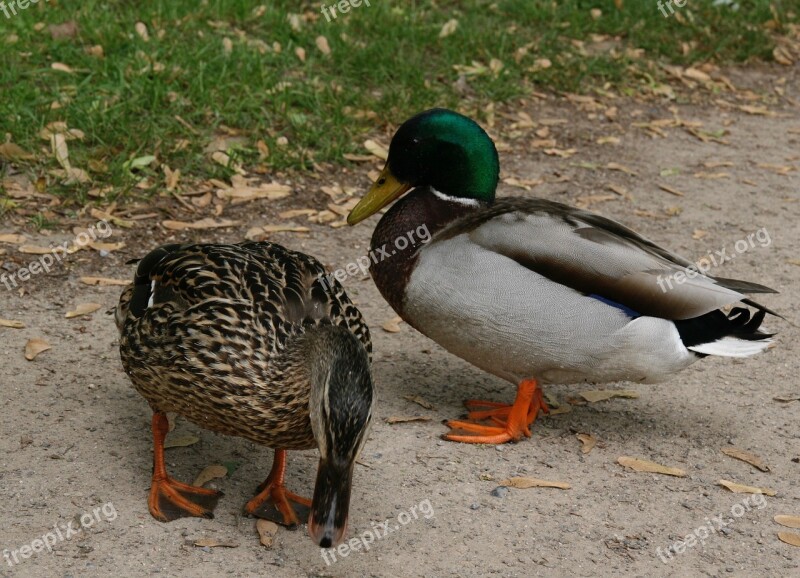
point(74, 436)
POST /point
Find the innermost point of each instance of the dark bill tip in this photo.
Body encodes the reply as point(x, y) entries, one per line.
point(327, 523)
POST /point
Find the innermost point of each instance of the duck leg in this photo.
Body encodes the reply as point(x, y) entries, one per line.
point(170, 499)
point(513, 421)
point(273, 501)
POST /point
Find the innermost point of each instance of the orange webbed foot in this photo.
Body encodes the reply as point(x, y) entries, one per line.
point(170, 499)
point(274, 502)
point(512, 421)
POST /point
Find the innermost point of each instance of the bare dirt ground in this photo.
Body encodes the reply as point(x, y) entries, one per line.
point(74, 436)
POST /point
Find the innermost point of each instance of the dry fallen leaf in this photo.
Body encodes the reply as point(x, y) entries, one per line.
point(790, 538)
point(595, 395)
point(180, 441)
point(243, 192)
point(710, 176)
point(585, 201)
point(34, 347)
point(393, 325)
point(419, 401)
point(13, 324)
point(449, 28)
point(141, 31)
point(696, 74)
point(717, 164)
point(96, 51)
point(406, 419)
point(787, 398)
point(58, 144)
point(83, 309)
point(622, 168)
point(36, 250)
point(322, 44)
point(210, 473)
point(107, 247)
point(207, 223)
point(788, 521)
point(588, 441)
point(292, 213)
point(376, 149)
point(213, 543)
point(751, 459)
point(67, 29)
point(756, 110)
point(524, 483)
point(562, 153)
point(522, 183)
point(266, 532)
point(649, 467)
point(742, 489)
point(618, 189)
point(11, 151)
point(260, 233)
point(670, 190)
point(61, 67)
point(782, 56)
point(224, 159)
point(103, 281)
point(107, 216)
point(13, 238)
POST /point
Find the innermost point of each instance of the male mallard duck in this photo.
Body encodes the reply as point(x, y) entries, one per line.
point(533, 290)
point(250, 340)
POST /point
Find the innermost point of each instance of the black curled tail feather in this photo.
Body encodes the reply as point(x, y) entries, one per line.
point(739, 323)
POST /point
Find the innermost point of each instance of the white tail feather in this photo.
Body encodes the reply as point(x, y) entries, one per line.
point(732, 347)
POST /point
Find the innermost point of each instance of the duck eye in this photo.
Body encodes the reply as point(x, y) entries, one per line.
point(414, 142)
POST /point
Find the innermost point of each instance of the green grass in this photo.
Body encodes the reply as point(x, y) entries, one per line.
point(387, 59)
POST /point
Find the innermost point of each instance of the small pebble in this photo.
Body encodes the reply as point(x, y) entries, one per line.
point(474, 506)
point(500, 492)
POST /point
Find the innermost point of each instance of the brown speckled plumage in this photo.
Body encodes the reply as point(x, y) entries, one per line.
point(215, 333)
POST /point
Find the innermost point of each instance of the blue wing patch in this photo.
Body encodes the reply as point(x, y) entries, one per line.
point(626, 310)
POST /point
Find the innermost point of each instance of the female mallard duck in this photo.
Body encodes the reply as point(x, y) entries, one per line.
point(250, 340)
point(533, 290)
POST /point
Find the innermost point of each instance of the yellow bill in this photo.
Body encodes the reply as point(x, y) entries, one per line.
point(382, 192)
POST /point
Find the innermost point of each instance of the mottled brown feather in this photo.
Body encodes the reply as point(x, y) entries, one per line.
point(216, 344)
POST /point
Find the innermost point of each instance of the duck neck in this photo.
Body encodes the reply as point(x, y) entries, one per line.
point(337, 367)
point(404, 229)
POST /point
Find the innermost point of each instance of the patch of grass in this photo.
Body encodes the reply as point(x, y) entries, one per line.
point(233, 68)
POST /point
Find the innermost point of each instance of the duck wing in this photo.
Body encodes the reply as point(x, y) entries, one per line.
point(263, 280)
point(600, 257)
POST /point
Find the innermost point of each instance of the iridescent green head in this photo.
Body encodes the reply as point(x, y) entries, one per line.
point(437, 148)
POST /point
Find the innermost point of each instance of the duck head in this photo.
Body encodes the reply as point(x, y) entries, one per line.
point(438, 148)
point(341, 402)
